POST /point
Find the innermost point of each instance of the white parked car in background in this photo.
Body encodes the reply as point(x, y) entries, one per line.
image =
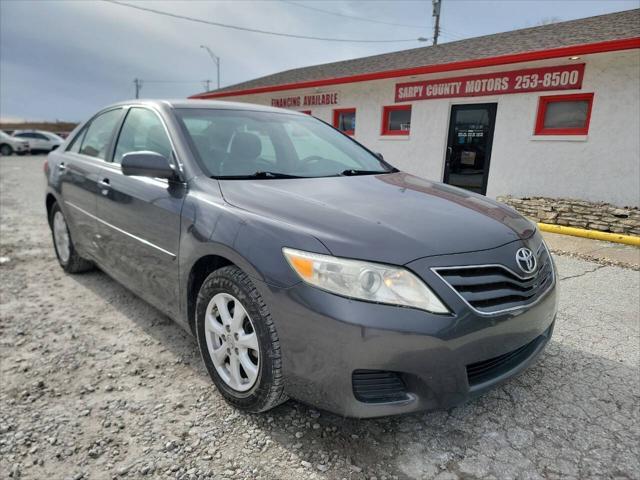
point(39, 140)
point(10, 145)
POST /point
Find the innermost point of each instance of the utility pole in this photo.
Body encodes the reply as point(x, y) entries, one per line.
point(207, 85)
point(436, 25)
point(216, 60)
point(138, 83)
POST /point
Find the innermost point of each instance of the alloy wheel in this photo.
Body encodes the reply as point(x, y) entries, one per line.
point(61, 237)
point(232, 342)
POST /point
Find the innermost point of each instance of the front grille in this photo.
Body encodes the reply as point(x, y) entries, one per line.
point(493, 288)
point(488, 369)
point(378, 386)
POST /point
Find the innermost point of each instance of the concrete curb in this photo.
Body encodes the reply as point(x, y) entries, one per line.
point(593, 234)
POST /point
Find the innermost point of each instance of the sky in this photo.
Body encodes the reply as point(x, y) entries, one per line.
point(64, 60)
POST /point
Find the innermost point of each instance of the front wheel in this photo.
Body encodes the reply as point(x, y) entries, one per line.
point(238, 341)
point(66, 253)
point(6, 150)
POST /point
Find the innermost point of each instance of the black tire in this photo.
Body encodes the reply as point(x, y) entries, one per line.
point(268, 390)
point(75, 263)
point(6, 149)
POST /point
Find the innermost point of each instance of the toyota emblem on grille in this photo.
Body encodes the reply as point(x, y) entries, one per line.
point(526, 260)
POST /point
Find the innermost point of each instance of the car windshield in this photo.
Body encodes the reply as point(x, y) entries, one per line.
point(250, 144)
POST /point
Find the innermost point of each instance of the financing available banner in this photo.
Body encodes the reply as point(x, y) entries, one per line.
point(305, 100)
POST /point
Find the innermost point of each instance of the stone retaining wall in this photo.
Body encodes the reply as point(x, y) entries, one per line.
point(578, 213)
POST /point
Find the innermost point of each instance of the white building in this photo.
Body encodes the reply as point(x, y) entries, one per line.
point(550, 111)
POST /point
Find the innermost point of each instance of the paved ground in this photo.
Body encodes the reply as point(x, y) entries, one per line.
point(96, 384)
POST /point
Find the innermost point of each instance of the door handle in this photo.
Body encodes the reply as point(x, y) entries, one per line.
point(447, 160)
point(105, 186)
point(62, 167)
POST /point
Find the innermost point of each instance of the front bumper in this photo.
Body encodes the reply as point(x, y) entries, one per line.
point(325, 338)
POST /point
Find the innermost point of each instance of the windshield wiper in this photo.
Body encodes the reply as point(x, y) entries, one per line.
point(258, 174)
point(351, 172)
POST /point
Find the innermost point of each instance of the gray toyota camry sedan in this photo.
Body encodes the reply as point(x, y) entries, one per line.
point(304, 264)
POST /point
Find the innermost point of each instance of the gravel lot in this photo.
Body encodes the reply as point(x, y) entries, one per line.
point(95, 383)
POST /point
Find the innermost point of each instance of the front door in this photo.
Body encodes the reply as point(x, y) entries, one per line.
point(139, 217)
point(469, 146)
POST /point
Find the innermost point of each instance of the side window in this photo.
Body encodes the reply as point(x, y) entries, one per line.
point(96, 139)
point(142, 130)
point(75, 144)
point(40, 136)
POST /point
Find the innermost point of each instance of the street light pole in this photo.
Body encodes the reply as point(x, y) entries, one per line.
point(138, 83)
point(216, 60)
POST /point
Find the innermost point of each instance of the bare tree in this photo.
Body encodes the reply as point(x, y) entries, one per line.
point(547, 21)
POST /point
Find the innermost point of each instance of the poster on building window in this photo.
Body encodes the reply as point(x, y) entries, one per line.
point(468, 158)
point(562, 77)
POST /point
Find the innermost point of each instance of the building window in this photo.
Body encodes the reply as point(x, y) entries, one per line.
point(396, 120)
point(344, 119)
point(564, 114)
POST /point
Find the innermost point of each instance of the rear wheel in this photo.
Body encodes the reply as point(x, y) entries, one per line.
point(6, 150)
point(238, 341)
point(68, 258)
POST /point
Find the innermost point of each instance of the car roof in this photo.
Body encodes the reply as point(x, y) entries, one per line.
point(212, 104)
point(43, 132)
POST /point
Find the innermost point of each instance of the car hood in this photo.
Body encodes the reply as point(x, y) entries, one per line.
point(390, 218)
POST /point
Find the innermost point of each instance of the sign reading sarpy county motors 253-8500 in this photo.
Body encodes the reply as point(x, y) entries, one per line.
point(564, 77)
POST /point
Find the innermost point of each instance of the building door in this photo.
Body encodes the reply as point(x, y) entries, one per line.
point(469, 146)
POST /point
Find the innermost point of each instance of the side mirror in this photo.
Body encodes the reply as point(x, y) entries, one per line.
point(379, 155)
point(147, 164)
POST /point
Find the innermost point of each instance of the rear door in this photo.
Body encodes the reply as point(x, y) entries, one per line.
point(139, 217)
point(79, 171)
point(42, 142)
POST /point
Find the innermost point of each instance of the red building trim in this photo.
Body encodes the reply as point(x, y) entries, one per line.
point(585, 49)
point(385, 120)
point(336, 118)
point(542, 110)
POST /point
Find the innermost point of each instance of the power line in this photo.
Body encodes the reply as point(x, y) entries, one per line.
point(452, 33)
point(255, 30)
point(174, 81)
point(353, 17)
point(452, 38)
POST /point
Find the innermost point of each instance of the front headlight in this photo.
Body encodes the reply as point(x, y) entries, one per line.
point(363, 280)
